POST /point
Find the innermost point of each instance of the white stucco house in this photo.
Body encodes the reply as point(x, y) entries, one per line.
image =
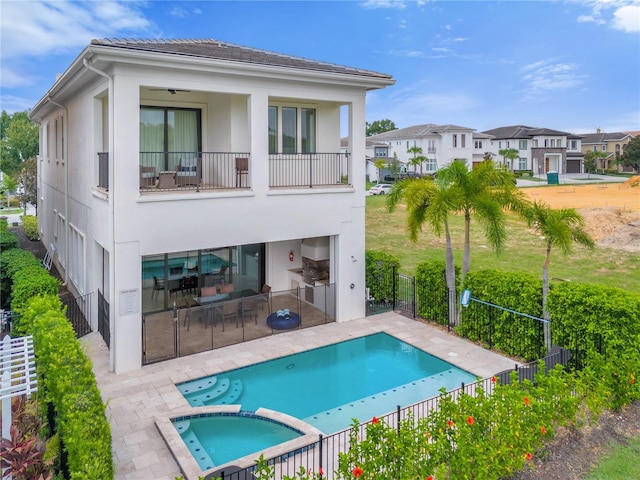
point(160, 157)
point(541, 150)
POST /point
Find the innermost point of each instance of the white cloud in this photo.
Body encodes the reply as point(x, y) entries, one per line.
point(399, 4)
point(627, 18)
point(540, 76)
point(590, 18)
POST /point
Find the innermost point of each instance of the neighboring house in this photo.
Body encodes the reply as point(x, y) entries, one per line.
point(541, 150)
point(165, 156)
point(373, 151)
point(441, 145)
point(611, 144)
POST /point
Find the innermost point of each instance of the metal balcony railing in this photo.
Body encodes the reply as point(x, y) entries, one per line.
point(309, 169)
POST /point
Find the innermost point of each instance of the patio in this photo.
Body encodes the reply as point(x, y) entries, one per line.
point(133, 399)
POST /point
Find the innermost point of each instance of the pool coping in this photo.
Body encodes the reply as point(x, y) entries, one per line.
point(188, 464)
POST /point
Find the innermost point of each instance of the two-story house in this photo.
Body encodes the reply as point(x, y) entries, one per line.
point(541, 150)
point(611, 144)
point(440, 144)
point(168, 167)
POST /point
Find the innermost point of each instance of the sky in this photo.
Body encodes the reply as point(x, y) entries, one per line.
point(570, 65)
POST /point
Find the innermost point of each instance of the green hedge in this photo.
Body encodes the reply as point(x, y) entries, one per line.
point(30, 225)
point(381, 269)
point(30, 282)
point(510, 333)
point(432, 292)
point(11, 261)
point(66, 378)
point(8, 240)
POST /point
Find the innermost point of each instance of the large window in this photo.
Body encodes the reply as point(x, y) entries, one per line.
point(380, 152)
point(292, 129)
point(522, 144)
point(522, 163)
point(166, 133)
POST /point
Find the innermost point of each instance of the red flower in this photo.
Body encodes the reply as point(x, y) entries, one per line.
point(543, 430)
point(470, 420)
point(494, 379)
point(527, 401)
point(320, 471)
point(374, 420)
point(450, 423)
point(430, 477)
point(528, 456)
point(357, 472)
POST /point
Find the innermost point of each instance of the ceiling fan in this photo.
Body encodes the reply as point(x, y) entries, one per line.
point(172, 91)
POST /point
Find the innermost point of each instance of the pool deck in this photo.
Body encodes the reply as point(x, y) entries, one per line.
point(133, 399)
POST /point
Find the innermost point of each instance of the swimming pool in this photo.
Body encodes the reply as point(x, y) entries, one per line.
point(329, 386)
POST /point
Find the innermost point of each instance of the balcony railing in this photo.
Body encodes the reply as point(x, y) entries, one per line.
point(309, 169)
point(194, 171)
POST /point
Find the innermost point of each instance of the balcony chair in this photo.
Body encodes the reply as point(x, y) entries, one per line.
point(148, 176)
point(188, 171)
point(242, 170)
point(265, 297)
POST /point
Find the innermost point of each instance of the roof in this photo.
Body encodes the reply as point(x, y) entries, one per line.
point(590, 138)
point(218, 50)
point(524, 132)
point(417, 131)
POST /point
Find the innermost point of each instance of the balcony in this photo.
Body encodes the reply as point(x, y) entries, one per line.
point(308, 170)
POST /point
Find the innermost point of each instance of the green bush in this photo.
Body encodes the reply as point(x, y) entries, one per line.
point(8, 240)
point(30, 225)
point(508, 332)
point(66, 377)
point(30, 282)
point(12, 261)
point(3, 224)
point(432, 292)
point(381, 270)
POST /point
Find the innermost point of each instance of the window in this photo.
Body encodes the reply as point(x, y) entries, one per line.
point(431, 146)
point(499, 145)
point(553, 142)
point(407, 144)
point(604, 148)
point(454, 140)
point(522, 144)
point(595, 148)
point(46, 142)
point(463, 140)
point(430, 165)
point(166, 134)
point(292, 130)
point(508, 144)
point(522, 163)
point(574, 144)
point(534, 143)
point(76, 257)
point(478, 144)
point(546, 142)
point(380, 152)
point(59, 233)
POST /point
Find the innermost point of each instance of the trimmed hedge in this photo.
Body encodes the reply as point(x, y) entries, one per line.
point(66, 375)
point(8, 240)
point(432, 292)
point(30, 282)
point(12, 261)
point(30, 225)
point(381, 269)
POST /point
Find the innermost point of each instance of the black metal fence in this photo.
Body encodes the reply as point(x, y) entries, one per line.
point(103, 319)
point(78, 308)
point(325, 452)
point(309, 169)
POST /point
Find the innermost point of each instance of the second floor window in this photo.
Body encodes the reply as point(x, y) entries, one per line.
point(574, 144)
point(292, 130)
point(522, 144)
point(455, 140)
point(380, 152)
point(478, 144)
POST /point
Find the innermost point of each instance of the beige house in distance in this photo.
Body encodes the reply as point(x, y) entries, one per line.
point(612, 144)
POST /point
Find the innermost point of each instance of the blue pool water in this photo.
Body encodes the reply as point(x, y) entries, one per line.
point(243, 433)
point(327, 387)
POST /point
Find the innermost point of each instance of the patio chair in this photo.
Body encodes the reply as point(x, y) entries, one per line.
point(265, 297)
point(221, 275)
point(250, 308)
point(229, 310)
point(242, 170)
point(188, 171)
point(158, 285)
point(147, 176)
point(227, 288)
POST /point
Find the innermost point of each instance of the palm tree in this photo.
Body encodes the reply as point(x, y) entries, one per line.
point(487, 190)
point(418, 158)
point(560, 228)
point(510, 153)
point(431, 201)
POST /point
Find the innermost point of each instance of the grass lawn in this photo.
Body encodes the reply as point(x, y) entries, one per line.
point(621, 463)
point(524, 251)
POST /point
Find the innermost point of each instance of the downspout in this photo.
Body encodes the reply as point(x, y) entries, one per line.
point(65, 154)
point(112, 282)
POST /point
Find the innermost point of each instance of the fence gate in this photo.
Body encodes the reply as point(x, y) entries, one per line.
point(388, 290)
point(405, 301)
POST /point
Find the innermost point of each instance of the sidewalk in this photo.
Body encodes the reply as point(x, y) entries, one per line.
point(17, 217)
point(571, 178)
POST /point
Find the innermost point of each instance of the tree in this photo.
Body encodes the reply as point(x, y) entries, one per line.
point(591, 161)
point(380, 164)
point(486, 191)
point(18, 141)
point(510, 153)
point(631, 154)
point(417, 159)
point(560, 228)
point(380, 126)
point(394, 166)
point(28, 177)
point(432, 201)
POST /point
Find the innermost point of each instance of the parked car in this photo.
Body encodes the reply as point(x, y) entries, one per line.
point(380, 189)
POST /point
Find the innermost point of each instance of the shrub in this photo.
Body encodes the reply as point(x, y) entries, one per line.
point(29, 282)
point(12, 261)
point(8, 240)
point(381, 269)
point(432, 292)
point(69, 384)
point(30, 225)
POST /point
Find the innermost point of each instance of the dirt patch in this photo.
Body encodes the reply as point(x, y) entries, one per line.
point(611, 211)
point(574, 452)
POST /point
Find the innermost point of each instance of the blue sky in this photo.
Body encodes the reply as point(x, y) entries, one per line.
point(569, 65)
